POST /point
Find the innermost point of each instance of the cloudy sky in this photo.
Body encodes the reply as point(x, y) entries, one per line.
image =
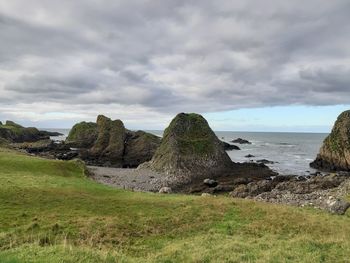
point(245, 65)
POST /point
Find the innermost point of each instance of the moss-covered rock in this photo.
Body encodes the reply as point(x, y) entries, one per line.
point(13, 132)
point(82, 135)
point(190, 148)
point(335, 151)
point(108, 143)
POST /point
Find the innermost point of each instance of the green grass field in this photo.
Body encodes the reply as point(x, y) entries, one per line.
point(50, 212)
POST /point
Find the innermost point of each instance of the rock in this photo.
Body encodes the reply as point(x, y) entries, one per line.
point(249, 156)
point(210, 182)
point(240, 191)
point(15, 133)
point(165, 190)
point(109, 143)
point(264, 161)
point(82, 135)
point(241, 141)
point(206, 195)
point(337, 206)
point(230, 147)
point(334, 154)
point(190, 149)
point(140, 147)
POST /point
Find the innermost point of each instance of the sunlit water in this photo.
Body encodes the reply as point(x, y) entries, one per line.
point(290, 152)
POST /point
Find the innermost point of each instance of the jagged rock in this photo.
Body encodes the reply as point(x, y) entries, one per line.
point(165, 190)
point(335, 152)
point(190, 149)
point(109, 143)
point(229, 147)
point(241, 141)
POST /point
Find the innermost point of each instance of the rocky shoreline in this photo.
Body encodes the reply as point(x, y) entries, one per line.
point(189, 159)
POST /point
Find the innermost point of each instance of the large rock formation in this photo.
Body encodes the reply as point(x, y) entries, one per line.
point(190, 149)
point(335, 151)
point(15, 133)
point(108, 143)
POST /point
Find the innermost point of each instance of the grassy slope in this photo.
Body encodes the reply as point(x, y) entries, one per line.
point(49, 212)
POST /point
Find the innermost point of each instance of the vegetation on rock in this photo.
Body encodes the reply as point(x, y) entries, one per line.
point(189, 146)
point(335, 151)
point(82, 135)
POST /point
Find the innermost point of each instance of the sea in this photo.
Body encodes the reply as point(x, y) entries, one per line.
point(291, 153)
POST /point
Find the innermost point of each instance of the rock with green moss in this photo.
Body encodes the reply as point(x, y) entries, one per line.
point(108, 143)
point(15, 133)
point(335, 152)
point(190, 149)
point(82, 135)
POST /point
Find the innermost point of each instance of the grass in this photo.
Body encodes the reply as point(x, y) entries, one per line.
point(50, 212)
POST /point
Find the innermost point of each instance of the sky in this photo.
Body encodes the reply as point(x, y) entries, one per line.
point(248, 65)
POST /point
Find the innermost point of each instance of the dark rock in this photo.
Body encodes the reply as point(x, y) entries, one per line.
point(139, 148)
point(15, 133)
point(109, 143)
point(49, 134)
point(230, 147)
point(241, 141)
point(334, 154)
point(264, 161)
point(249, 156)
point(210, 182)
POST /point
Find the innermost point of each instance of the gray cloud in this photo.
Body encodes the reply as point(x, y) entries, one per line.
point(162, 57)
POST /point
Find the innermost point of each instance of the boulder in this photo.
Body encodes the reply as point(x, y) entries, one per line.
point(337, 206)
point(190, 149)
point(210, 182)
point(249, 156)
point(165, 190)
point(334, 154)
point(241, 141)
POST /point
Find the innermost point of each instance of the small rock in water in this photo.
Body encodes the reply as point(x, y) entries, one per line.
point(265, 161)
point(249, 156)
point(165, 190)
point(210, 182)
point(241, 141)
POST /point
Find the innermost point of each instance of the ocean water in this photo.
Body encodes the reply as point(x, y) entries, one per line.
point(290, 152)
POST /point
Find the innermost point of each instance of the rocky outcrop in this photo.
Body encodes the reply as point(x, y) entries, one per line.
point(190, 149)
point(82, 135)
point(15, 133)
point(108, 143)
point(229, 147)
point(324, 192)
point(335, 152)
